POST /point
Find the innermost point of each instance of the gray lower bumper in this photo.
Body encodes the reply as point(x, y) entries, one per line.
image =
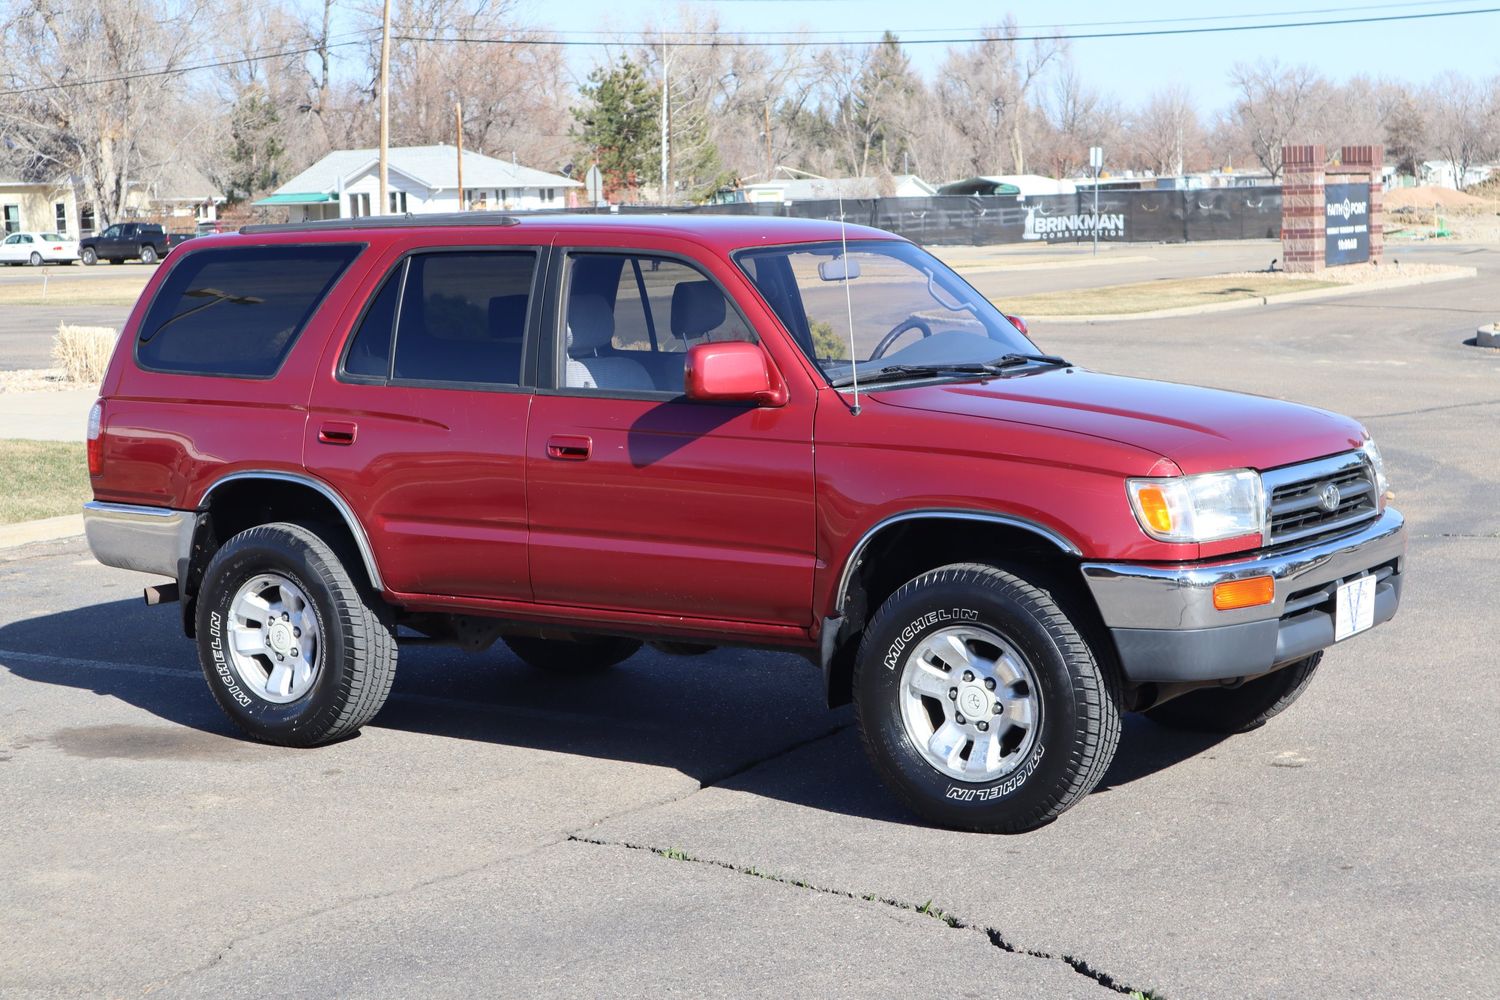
point(1166, 628)
point(148, 539)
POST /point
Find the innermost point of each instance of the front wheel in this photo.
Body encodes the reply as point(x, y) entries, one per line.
point(89, 257)
point(35, 259)
point(1239, 709)
point(295, 650)
point(573, 656)
point(148, 255)
point(979, 702)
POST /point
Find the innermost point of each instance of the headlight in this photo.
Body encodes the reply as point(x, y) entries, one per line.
point(1202, 508)
point(1377, 464)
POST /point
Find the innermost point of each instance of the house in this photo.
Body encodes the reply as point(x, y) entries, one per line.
point(39, 202)
point(421, 180)
point(1444, 174)
point(796, 189)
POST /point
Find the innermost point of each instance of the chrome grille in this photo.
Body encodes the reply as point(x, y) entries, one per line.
point(1296, 494)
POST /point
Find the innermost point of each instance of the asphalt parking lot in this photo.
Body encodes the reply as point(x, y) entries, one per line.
point(702, 826)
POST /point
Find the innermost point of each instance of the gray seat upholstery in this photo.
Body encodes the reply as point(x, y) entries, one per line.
point(591, 328)
point(697, 308)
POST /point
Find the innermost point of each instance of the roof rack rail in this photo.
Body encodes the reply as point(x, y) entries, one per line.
point(387, 222)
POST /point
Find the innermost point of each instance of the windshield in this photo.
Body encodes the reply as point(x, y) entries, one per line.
point(908, 308)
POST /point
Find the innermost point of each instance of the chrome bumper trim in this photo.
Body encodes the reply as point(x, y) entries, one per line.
point(147, 539)
point(1180, 596)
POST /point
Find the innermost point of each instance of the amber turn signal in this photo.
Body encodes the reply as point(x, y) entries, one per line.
point(1250, 593)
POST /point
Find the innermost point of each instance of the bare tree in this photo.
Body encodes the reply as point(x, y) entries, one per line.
point(1276, 105)
point(984, 89)
point(1077, 116)
point(1165, 133)
point(96, 88)
point(1465, 121)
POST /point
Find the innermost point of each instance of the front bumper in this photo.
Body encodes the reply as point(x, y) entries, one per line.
point(1167, 630)
point(149, 539)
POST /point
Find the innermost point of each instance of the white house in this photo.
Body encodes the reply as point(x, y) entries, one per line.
point(177, 194)
point(1444, 174)
point(794, 189)
point(421, 180)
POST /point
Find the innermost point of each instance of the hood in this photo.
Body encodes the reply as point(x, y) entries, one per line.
point(1201, 430)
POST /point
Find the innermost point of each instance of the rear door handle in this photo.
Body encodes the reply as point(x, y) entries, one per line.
point(569, 447)
point(337, 432)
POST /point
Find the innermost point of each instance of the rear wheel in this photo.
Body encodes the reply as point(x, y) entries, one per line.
point(979, 702)
point(148, 255)
point(585, 655)
point(1240, 709)
point(296, 651)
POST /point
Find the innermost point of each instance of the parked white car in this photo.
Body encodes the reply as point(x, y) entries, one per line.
point(38, 248)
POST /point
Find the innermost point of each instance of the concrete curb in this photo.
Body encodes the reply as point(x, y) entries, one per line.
point(1261, 300)
point(47, 529)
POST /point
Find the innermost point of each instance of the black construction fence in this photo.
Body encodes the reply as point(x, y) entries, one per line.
point(1123, 216)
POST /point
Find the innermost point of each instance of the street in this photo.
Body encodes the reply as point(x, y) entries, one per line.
point(703, 826)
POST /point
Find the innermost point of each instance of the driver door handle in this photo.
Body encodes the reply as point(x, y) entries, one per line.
point(569, 447)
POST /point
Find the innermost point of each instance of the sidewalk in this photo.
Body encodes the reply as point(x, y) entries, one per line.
point(46, 416)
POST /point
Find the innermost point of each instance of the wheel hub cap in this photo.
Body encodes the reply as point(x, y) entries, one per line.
point(970, 703)
point(274, 644)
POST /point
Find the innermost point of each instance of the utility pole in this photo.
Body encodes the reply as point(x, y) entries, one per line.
point(770, 164)
point(458, 112)
point(666, 124)
point(385, 107)
point(1096, 160)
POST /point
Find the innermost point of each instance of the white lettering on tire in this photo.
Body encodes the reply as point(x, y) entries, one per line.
point(920, 625)
point(221, 667)
point(962, 794)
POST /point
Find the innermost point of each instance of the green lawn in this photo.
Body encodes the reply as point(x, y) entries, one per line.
point(42, 479)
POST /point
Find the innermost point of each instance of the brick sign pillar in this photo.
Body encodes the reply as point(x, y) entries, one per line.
point(1302, 209)
point(1363, 164)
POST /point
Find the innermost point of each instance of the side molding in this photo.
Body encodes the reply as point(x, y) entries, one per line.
point(361, 540)
point(857, 553)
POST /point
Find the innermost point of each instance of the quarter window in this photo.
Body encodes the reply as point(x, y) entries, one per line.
point(239, 311)
point(630, 320)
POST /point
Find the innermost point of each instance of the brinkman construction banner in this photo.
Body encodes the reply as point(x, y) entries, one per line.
point(1348, 223)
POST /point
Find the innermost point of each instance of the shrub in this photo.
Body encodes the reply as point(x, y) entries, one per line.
point(83, 352)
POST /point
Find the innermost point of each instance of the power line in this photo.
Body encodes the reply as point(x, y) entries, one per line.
point(739, 39)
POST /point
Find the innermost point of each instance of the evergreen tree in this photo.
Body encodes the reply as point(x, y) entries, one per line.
point(617, 124)
point(256, 151)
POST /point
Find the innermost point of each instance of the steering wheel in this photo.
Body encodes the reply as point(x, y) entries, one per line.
point(909, 323)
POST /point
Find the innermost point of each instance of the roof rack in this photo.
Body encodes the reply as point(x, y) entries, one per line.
point(387, 222)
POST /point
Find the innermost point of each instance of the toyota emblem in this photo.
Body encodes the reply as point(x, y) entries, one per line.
point(1328, 497)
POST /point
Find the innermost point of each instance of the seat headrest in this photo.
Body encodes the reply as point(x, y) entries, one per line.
point(591, 324)
point(697, 307)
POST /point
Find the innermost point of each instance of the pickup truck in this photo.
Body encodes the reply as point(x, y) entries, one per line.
point(142, 241)
point(581, 434)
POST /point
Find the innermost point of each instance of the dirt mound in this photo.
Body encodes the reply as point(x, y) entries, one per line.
point(1434, 197)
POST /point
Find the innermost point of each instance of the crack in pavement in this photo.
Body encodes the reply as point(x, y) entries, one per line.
point(1079, 965)
point(1430, 409)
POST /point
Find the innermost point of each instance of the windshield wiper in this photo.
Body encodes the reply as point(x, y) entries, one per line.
point(1001, 366)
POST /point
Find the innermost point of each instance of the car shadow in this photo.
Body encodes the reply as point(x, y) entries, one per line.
point(747, 720)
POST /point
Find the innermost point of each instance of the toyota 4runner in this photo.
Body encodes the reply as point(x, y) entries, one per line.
point(579, 434)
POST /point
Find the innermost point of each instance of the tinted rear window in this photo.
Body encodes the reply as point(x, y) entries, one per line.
point(237, 311)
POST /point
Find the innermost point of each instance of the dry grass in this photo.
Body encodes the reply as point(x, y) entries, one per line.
point(42, 479)
point(75, 289)
point(83, 352)
point(1170, 293)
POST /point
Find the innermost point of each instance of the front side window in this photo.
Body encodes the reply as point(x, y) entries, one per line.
point(907, 307)
point(449, 318)
point(237, 311)
point(113, 232)
point(630, 320)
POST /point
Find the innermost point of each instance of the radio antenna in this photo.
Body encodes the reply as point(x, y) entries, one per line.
point(848, 299)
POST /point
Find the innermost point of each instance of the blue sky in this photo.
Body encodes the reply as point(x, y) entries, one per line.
point(1130, 68)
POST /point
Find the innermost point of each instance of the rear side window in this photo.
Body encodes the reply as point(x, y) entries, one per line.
point(237, 311)
point(455, 317)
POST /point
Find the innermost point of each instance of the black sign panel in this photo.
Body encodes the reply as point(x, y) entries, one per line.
point(1347, 207)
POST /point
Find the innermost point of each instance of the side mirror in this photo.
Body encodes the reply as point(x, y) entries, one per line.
point(1019, 324)
point(732, 371)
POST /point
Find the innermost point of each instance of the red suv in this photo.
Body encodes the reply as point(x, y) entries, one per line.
point(578, 434)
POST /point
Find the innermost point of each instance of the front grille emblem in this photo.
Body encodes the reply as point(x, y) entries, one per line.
point(1328, 497)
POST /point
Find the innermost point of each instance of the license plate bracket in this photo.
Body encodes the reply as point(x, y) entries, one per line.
point(1353, 607)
